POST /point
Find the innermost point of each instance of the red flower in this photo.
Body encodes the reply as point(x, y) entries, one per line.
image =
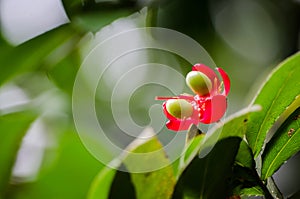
point(207, 106)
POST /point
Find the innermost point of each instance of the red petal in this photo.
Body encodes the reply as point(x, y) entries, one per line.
point(210, 73)
point(180, 125)
point(226, 81)
point(214, 109)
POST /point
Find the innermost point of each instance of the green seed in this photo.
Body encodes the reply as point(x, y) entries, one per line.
point(179, 108)
point(198, 82)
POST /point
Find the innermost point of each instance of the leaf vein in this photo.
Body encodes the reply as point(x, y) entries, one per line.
point(273, 101)
point(279, 153)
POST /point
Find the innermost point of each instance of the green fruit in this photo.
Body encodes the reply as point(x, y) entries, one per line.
point(179, 108)
point(198, 82)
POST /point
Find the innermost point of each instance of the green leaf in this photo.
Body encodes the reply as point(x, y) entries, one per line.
point(244, 156)
point(278, 98)
point(94, 21)
point(72, 6)
point(13, 127)
point(150, 170)
point(4, 46)
point(193, 144)
point(246, 182)
point(203, 176)
point(31, 54)
point(251, 191)
point(284, 144)
point(193, 139)
point(66, 69)
point(233, 126)
point(207, 177)
point(143, 162)
point(98, 12)
point(102, 183)
point(66, 172)
point(122, 186)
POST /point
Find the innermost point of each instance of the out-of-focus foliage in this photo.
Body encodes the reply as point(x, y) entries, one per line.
point(67, 172)
point(11, 137)
point(40, 66)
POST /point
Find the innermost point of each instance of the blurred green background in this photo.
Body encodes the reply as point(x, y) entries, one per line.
point(42, 45)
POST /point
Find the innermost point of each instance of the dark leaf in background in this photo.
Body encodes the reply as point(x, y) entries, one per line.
point(245, 181)
point(122, 187)
point(64, 72)
point(208, 177)
point(244, 156)
point(233, 126)
point(94, 21)
point(202, 176)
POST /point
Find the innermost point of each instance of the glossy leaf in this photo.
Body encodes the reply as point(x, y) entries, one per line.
point(13, 127)
point(278, 97)
point(282, 146)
